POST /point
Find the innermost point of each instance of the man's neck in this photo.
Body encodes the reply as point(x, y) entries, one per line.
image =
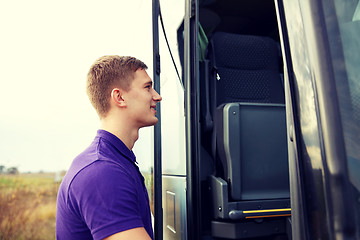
point(125, 133)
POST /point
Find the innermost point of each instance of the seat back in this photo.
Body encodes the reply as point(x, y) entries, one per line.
point(246, 69)
point(252, 145)
point(249, 116)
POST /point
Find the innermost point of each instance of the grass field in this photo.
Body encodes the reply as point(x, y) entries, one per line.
point(27, 206)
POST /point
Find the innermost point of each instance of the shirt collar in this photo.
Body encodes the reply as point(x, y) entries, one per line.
point(117, 143)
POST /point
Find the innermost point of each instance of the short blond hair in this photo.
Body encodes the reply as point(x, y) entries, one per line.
point(107, 73)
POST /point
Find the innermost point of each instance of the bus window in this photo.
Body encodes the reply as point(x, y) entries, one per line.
point(173, 155)
point(347, 77)
point(172, 92)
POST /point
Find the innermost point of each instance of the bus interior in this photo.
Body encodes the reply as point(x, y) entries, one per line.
point(243, 155)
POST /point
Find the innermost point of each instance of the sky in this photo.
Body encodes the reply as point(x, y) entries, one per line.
point(46, 49)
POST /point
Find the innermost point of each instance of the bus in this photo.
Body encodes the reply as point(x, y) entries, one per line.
point(259, 128)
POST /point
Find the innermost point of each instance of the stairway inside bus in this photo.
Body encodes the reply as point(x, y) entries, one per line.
point(244, 165)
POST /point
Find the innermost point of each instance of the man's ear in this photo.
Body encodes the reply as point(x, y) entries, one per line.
point(117, 97)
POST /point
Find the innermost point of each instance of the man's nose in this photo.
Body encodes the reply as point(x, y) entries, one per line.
point(157, 97)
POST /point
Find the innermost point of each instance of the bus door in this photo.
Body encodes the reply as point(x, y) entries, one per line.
point(171, 160)
point(321, 44)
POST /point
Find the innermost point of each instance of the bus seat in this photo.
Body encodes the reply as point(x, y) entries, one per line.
point(252, 145)
point(245, 69)
point(241, 68)
point(249, 133)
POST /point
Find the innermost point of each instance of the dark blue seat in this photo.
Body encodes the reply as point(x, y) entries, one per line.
point(249, 133)
point(247, 69)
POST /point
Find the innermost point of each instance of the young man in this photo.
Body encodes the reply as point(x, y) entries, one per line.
point(103, 195)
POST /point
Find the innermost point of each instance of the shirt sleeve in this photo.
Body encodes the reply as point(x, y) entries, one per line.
point(106, 198)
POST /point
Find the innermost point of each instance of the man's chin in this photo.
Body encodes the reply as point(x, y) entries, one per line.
point(152, 123)
point(155, 122)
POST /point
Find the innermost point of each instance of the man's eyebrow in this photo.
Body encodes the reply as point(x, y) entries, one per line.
point(149, 82)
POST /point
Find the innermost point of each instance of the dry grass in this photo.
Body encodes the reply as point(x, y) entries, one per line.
point(27, 207)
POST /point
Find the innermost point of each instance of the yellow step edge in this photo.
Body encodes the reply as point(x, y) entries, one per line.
point(268, 210)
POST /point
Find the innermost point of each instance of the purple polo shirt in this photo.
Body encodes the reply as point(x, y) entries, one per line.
point(102, 193)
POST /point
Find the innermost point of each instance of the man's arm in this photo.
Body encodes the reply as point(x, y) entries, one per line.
point(134, 233)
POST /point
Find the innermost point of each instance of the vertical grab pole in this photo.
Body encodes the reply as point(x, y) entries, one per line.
point(191, 71)
point(158, 212)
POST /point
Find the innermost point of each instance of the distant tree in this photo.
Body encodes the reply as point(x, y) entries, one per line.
point(12, 170)
point(2, 169)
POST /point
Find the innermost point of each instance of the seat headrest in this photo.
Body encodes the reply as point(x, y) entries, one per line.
point(244, 51)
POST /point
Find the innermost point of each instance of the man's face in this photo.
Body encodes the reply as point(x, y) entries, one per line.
point(141, 100)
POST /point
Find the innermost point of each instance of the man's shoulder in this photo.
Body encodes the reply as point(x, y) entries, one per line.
point(99, 172)
point(94, 162)
point(93, 178)
point(95, 184)
point(98, 155)
point(94, 171)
